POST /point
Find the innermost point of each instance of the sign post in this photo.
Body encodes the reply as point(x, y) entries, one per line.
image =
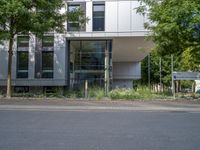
point(197, 86)
point(188, 76)
point(172, 70)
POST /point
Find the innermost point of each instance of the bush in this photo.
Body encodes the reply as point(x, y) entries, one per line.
point(96, 92)
point(1, 94)
point(124, 94)
point(141, 92)
point(73, 94)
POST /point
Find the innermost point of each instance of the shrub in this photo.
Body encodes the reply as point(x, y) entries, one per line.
point(96, 92)
point(124, 94)
point(73, 94)
point(1, 94)
point(142, 92)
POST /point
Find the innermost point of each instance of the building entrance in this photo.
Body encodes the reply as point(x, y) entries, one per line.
point(87, 62)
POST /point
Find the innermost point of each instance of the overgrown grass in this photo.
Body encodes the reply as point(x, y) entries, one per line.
point(1, 94)
point(74, 94)
point(93, 92)
point(140, 93)
point(96, 92)
point(29, 94)
point(194, 96)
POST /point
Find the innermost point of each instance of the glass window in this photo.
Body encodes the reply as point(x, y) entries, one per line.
point(98, 17)
point(48, 41)
point(74, 18)
point(47, 64)
point(23, 41)
point(22, 64)
point(87, 62)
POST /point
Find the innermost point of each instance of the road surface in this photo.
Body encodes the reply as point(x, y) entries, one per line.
point(29, 129)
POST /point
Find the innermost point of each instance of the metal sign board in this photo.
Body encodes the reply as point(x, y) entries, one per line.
point(186, 75)
point(197, 87)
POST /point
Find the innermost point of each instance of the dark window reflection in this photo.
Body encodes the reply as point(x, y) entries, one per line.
point(48, 41)
point(23, 41)
point(98, 17)
point(47, 64)
point(22, 64)
point(87, 61)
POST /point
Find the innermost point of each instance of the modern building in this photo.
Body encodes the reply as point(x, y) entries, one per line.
point(112, 40)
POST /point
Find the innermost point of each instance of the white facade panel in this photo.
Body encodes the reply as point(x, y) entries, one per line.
point(124, 16)
point(111, 17)
point(89, 16)
point(137, 20)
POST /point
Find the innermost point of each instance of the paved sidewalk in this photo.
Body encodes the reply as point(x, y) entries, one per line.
point(95, 105)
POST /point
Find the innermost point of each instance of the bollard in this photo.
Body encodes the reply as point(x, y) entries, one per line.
point(86, 89)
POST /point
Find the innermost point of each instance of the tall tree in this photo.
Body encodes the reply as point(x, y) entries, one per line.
point(25, 16)
point(175, 24)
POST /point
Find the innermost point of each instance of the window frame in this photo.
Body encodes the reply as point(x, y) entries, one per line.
point(22, 49)
point(98, 3)
point(47, 49)
point(79, 28)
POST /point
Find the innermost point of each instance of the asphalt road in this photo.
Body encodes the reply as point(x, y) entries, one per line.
point(99, 130)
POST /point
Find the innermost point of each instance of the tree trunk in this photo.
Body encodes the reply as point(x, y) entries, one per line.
point(107, 71)
point(10, 54)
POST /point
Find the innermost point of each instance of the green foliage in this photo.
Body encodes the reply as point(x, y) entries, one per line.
point(142, 93)
point(174, 24)
point(1, 93)
point(24, 16)
point(74, 94)
point(175, 29)
point(155, 69)
point(96, 92)
point(30, 16)
point(124, 94)
point(189, 61)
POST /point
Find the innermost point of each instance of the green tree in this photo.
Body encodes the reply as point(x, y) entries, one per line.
point(165, 68)
point(174, 27)
point(25, 16)
point(174, 24)
point(190, 60)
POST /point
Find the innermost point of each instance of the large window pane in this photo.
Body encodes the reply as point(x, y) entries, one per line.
point(23, 41)
point(75, 20)
point(98, 17)
point(92, 55)
point(48, 41)
point(87, 59)
point(47, 64)
point(22, 64)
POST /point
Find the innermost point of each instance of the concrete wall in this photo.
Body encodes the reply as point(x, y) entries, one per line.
point(124, 73)
point(126, 70)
